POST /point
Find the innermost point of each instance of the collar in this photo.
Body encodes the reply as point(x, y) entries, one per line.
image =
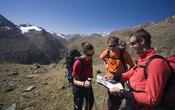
point(147, 53)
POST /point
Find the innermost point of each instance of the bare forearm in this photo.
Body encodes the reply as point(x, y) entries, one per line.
point(79, 83)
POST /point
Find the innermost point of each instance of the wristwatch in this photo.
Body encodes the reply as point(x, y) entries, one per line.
point(121, 92)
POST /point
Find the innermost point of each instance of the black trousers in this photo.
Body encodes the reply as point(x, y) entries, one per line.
point(114, 102)
point(80, 94)
point(129, 105)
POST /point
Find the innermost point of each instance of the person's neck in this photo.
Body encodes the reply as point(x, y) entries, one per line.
point(85, 58)
point(114, 50)
point(144, 49)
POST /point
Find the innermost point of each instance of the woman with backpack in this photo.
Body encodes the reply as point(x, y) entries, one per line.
point(82, 75)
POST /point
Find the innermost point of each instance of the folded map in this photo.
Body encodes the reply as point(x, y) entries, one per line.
point(101, 80)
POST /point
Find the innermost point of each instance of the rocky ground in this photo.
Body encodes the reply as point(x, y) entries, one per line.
point(40, 87)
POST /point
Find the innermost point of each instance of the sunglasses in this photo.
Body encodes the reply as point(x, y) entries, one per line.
point(133, 43)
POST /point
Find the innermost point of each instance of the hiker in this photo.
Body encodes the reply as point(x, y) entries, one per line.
point(82, 75)
point(144, 93)
point(115, 60)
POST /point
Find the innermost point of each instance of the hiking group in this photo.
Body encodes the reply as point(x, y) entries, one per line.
point(150, 82)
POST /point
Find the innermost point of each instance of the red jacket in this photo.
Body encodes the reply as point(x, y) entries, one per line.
point(153, 86)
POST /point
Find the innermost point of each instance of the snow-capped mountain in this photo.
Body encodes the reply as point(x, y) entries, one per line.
point(25, 28)
point(79, 35)
point(170, 19)
point(98, 34)
point(28, 44)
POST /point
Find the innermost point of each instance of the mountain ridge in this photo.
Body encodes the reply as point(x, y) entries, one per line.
point(51, 45)
point(32, 46)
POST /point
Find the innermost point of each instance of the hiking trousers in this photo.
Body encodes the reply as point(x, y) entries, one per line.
point(81, 93)
point(114, 101)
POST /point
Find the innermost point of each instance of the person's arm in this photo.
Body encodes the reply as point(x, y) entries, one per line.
point(103, 57)
point(123, 93)
point(85, 84)
point(124, 76)
point(76, 73)
point(79, 83)
point(158, 74)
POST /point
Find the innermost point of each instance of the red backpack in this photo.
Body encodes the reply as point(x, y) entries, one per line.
point(168, 98)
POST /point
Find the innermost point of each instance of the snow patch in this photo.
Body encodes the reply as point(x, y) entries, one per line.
point(60, 35)
point(27, 29)
point(173, 17)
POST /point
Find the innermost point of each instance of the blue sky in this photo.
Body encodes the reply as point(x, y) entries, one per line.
point(86, 16)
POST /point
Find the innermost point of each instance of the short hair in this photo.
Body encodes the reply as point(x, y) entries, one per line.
point(86, 46)
point(113, 39)
point(142, 33)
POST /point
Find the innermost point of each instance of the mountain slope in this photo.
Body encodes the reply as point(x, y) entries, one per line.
point(50, 46)
point(162, 32)
point(31, 47)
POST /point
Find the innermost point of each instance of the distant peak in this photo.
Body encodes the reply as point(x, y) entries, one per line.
point(144, 25)
point(101, 34)
point(170, 19)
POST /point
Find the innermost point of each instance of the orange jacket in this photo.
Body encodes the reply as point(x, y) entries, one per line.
point(115, 66)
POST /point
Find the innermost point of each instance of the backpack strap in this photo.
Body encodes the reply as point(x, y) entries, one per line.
point(121, 57)
point(108, 53)
point(148, 62)
point(82, 64)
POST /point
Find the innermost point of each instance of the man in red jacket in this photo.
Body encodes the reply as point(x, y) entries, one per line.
point(145, 93)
